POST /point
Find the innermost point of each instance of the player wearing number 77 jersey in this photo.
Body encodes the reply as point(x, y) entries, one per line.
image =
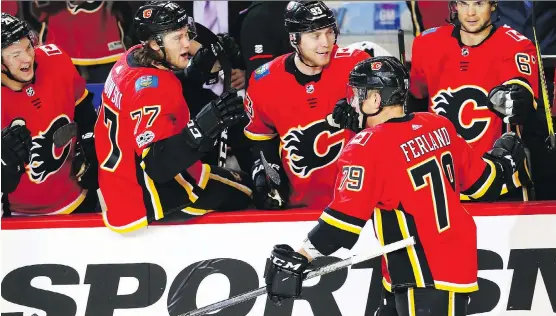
point(148, 147)
point(407, 171)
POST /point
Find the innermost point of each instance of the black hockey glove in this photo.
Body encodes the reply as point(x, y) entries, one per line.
point(284, 273)
point(16, 146)
point(232, 50)
point(509, 152)
point(511, 102)
point(85, 163)
point(345, 116)
point(203, 62)
point(201, 132)
point(271, 190)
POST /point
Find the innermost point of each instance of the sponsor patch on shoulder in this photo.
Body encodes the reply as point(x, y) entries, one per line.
point(431, 30)
point(146, 82)
point(262, 71)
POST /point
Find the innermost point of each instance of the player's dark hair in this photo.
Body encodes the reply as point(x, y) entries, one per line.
point(146, 56)
point(453, 14)
point(385, 74)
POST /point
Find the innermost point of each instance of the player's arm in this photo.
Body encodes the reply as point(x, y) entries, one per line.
point(500, 170)
point(418, 90)
point(166, 153)
point(338, 227)
point(261, 46)
point(515, 99)
point(16, 146)
point(268, 193)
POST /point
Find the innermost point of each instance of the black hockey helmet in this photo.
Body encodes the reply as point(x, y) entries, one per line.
point(155, 18)
point(14, 29)
point(308, 16)
point(385, 74)
point(453, 13)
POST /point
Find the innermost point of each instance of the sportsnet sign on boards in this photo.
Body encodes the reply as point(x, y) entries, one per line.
point(171, 269)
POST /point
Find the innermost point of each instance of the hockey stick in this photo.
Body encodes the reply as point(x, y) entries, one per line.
point(401, 46)
point(64, 134)
point(551, 140)
point(320, 271)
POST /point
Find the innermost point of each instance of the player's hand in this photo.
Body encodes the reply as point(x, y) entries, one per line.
point(85, 163)
point(238, 79)
point(345, 116)
point(203, 62)
point(284, 273)
point(16, 145)
point(511, 102)
point(231, 49)
point(213, 118)
point(509, 152)
point(268, 195)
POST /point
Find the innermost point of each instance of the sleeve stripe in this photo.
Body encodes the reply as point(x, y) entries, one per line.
point(254, 136)
point(330, 220)
point(490, 174)
point(85, 94)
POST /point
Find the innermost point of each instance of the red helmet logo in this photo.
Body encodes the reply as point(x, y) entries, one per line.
point(376, 65)
point(147, 13)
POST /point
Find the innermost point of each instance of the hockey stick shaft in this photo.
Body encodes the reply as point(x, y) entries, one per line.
point(401, 46)
point(321, 271)
point(544, 89)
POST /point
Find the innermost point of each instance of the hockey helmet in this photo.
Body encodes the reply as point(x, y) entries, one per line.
point(156, 18)
point(14, 29)
point(453, 12)
point(308, 16)
point(385, 74)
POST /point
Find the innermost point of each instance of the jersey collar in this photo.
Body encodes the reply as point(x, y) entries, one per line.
point(456, 34)
point(301, 78)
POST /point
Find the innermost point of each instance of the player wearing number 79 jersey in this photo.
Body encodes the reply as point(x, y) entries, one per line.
point(406, 170)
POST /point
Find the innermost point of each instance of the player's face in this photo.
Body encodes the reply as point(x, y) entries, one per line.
point(177, 44)
point(18, 60)
point(473, 15)
point(316, 46)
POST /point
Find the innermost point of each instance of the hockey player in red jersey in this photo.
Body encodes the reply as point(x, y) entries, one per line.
point(407, 171)
point(287, 101)
point(148, 146)
point(41, 92)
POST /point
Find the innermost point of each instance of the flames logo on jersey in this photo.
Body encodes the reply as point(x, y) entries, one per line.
point(75, 7)
point(466, 108)
point(312, 147)
point(45, 158)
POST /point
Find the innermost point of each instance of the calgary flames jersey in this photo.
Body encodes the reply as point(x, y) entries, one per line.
point(140, 105)
point(278, 105)
point(408, 173)
point(457, 78)
point(46, 104)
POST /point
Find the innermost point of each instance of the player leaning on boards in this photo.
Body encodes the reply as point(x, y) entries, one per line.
point(41, 92)
point(287, 101)
point(411, 167)
point(147, 145)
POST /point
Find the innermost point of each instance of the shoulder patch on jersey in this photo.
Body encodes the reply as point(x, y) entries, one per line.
point(262, 71)
point(361, 138)
point(428, 31)
point(146, 82)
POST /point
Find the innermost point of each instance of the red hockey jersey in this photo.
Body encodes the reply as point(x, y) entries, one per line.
point(46, 104)
point(457, 78)
point(88, 31)
point(140, 105)
point(278, 105)
point(408, 174)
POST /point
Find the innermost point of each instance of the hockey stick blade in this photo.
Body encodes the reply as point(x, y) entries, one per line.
point(271, 172)
point(64, 134)
point(320, 271)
